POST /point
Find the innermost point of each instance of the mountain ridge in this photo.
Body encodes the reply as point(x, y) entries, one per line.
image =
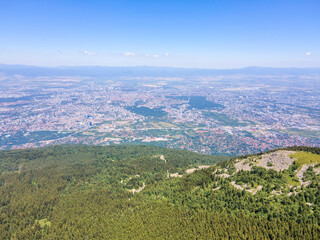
point(147, 70)
point(129, 192)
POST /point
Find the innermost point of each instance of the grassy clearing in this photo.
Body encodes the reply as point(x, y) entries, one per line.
point(305, 158)
point(44, 223)
point(292, 181)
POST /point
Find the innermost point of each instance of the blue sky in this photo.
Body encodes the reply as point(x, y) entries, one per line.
point(198, 33)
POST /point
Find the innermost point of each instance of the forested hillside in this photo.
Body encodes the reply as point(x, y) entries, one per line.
point(144, 192)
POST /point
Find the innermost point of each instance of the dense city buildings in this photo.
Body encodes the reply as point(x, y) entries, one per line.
point(220, 114)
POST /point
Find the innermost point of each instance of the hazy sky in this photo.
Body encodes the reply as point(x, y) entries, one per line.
point(197, 33)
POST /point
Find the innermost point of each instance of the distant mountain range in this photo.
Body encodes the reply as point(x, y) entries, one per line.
point(29, 70)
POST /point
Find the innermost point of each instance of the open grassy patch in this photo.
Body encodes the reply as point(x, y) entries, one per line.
point(305, 158)
point(44, 223)
point(292, 181)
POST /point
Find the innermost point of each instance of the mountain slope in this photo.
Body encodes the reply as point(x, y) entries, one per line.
point(143, 192)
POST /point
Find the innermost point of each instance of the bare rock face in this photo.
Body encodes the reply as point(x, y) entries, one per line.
point(278, 161)
point(243, 165)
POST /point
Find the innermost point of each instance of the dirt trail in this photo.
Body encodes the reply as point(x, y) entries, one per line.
point(138, 190)
point(255, 190)
point(244, 186)
point(301, 172)
point(174, 175)
point(191, 170)
point(162, 158)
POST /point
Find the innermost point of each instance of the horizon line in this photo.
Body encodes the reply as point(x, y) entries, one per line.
point(150, 66)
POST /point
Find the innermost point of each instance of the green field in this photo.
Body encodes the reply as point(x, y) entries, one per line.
point(224, 119)
point(305, 158)
point(301, 132)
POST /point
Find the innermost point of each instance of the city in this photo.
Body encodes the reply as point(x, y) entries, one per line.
point(229, 114)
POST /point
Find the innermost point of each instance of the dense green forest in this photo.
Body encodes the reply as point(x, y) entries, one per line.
point(125, 192)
